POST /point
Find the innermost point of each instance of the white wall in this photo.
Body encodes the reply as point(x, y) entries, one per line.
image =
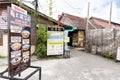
point(4, 48)
point(32, 49)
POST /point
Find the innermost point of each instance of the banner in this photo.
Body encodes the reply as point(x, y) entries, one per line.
point(19, 41)
point(55, 42)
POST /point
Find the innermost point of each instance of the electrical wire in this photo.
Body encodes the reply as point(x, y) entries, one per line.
point(73, 8)
point(78, 12)
point(39, 5)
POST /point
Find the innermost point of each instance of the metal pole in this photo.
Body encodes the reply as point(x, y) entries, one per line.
point(50, 8)
point(87, 25)
point(36, 5)
point(87, 16)
point(36, 8)
point(110, 15)
point(40, 73)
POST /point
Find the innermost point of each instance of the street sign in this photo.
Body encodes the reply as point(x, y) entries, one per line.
point(19, 40)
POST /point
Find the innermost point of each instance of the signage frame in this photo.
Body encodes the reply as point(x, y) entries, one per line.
point(7, 70)
point(17, 64)
point(53, 43)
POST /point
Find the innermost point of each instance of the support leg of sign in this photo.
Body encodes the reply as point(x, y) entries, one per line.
point(38, 69)
point(1, 74)
point(39, 73)
point(19, 74)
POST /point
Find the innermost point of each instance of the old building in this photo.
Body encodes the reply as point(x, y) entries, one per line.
point(41, 19)
point(76, 27)
point(103, 23)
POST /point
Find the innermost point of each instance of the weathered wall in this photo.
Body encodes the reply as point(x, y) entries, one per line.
point(41, 20)
point(105, 40)
point(4, 48)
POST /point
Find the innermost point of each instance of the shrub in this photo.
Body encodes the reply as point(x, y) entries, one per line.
point(107, 55)
point(1, 56)
point(41, 41)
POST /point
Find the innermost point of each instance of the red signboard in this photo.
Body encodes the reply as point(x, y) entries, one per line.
point(19, 40)
point(16, 8)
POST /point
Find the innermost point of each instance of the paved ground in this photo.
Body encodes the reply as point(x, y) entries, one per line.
point(81, 66)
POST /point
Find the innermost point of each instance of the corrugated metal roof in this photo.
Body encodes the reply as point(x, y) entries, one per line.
point(73, 21)
point(80, 23)
point(104, 23)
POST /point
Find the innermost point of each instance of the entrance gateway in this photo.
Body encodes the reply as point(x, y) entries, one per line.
point(19, 45)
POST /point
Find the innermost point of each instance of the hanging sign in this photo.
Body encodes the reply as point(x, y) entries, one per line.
point(19, 40)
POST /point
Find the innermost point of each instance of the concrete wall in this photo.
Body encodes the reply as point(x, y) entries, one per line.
point(4, 48)
point(32, 49)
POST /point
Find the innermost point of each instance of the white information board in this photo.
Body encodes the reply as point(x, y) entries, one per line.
point(55, 42)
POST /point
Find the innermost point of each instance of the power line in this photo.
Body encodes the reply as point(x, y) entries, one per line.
point(78, 12)
point(70, 6)
point(39, 5)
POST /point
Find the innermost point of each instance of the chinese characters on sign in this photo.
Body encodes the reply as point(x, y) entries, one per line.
point(19, 40)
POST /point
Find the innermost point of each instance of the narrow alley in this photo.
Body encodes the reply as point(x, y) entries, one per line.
point(81, 66)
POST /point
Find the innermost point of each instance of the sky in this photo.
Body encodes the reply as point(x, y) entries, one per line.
point(98, 8)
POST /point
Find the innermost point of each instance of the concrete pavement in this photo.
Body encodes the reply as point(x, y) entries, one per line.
point(81, 66)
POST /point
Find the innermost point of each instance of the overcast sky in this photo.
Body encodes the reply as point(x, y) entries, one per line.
point(98, 8)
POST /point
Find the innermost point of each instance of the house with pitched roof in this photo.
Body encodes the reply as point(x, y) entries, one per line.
point(76, 27)
point(41, 19)
point(103, 23)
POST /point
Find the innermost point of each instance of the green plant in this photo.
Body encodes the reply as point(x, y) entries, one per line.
point(1, 56)
point(41, 41)
point(107, 55)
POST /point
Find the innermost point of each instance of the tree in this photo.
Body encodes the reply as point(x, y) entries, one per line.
point(41, 41)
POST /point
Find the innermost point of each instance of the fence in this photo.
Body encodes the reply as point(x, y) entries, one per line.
point(103, 40)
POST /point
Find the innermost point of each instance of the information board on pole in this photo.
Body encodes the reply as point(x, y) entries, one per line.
point(19, 40)
point(55, 42)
